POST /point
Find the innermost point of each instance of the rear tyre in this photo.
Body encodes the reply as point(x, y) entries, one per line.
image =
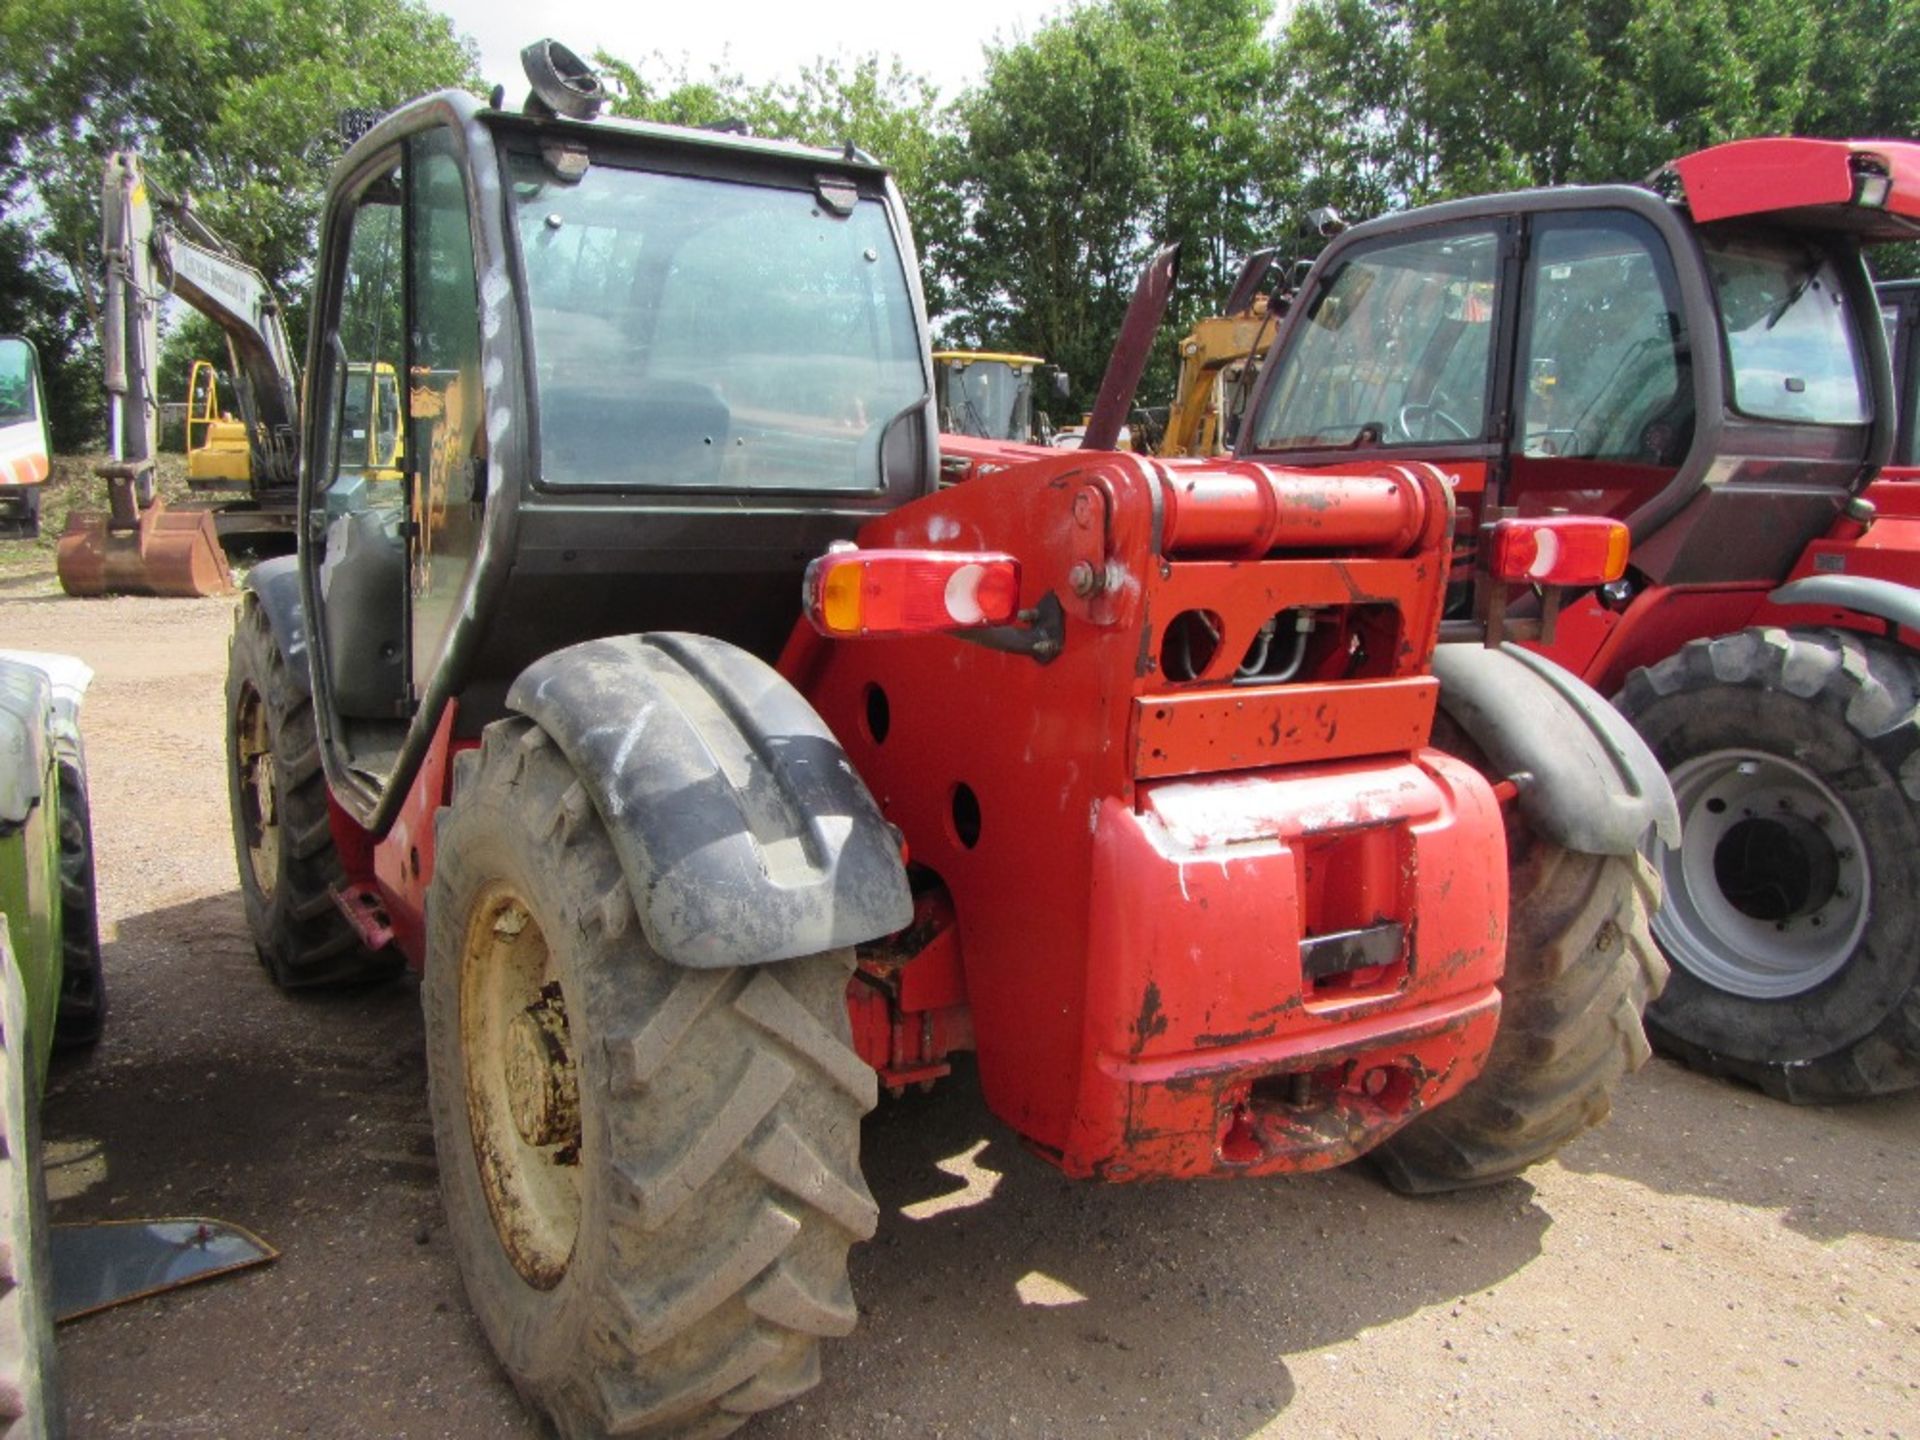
point(651, 1174)
point(29, 1393)
point(1793, 900)
point(82, 1011)
point(1581, 966)
point(282, 833)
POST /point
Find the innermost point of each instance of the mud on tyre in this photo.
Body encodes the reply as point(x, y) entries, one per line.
point(1793, 900)
point(651, 1173)
point(282, 836)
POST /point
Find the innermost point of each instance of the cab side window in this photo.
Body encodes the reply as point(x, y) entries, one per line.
point(363, 567)
point(446, 440)
point(1605, 372)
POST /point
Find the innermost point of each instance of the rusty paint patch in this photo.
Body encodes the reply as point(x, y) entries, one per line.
point(1152, 1021)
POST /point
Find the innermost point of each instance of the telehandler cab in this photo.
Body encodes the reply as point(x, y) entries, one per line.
point(1702, 358)
point(719, 768)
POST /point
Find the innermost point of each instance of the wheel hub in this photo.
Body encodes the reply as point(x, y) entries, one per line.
point(1768, 893)
point(259, 807)
point(542, 1086)
point(523, 1094)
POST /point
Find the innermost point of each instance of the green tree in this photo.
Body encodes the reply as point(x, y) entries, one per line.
point(1394, 102)
point(234, 102)
point(35, 303)
point(1115, 127)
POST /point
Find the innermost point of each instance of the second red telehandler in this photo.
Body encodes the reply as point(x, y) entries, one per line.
point(1701, 357)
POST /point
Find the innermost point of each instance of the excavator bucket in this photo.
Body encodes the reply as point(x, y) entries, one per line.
point(168, 553)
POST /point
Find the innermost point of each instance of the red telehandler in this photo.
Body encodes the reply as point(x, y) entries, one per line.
point(1700, 357)
point(719, 768)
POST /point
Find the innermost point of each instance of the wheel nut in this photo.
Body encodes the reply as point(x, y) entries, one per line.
point(542, 1088)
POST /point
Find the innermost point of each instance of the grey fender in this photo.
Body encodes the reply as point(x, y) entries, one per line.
point(1586, 779)
point(277, 583)
point(744, 833)
point(1883, 599)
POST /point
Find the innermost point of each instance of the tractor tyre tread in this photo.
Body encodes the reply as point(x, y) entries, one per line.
point(1581, 966)
point(82, 1010)
point(722, 1108)
point(1872, 687)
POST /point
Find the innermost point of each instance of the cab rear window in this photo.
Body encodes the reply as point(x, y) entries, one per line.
point(1793, 340)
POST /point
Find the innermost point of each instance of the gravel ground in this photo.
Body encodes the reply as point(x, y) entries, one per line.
point(1708, 1264)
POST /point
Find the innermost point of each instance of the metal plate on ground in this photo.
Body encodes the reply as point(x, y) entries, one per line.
point(109, 1262)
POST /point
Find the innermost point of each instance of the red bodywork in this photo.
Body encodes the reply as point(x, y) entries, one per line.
point(1603, 646)
point(1119, 870)
point(1803, 182)
point(1120, 876)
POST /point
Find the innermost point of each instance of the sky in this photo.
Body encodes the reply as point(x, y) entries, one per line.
point(761, 39)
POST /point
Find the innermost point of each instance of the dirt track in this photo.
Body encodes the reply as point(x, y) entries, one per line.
point(1709, 1264)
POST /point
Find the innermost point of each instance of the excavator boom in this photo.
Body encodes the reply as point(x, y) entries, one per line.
point(153, 242)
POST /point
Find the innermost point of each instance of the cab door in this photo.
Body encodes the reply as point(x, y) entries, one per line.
point(1603, 400)
point(398, 461)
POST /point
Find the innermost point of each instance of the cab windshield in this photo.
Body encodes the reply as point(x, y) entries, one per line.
point(1395, 351)
point(692, 333)
point(1793, 345)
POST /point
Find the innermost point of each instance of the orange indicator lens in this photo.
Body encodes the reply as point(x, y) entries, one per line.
point(910, 592)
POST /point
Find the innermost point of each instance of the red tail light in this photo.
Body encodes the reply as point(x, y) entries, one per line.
point(1558, 550)
point(909, 592)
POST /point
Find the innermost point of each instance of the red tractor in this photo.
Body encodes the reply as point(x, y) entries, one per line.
point(719, 768)
point(1700, 358)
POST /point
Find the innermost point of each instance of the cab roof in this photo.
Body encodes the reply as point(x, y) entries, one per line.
point(1868, 188)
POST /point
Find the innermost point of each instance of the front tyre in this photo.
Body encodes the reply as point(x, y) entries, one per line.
point(651, 1173)
point(1793, 898)
point(1581, 967)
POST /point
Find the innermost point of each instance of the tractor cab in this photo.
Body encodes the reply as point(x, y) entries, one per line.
point(649, 373)
point(1697, 357)
point(989, 396)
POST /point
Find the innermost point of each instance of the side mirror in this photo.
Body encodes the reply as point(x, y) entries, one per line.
point(1062, 384)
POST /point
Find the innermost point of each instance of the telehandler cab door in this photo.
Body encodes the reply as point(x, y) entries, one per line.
point(397, 454)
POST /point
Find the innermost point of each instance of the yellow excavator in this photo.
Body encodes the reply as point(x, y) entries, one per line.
point(1220, 359)
point(1219, 362)
point(154, 243)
